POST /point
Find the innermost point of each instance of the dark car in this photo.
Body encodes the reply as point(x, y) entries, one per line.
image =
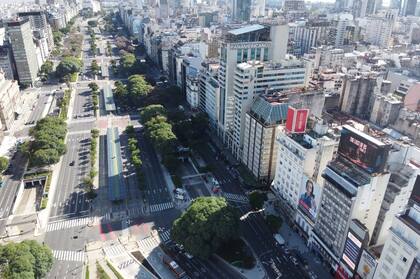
point(72, 163)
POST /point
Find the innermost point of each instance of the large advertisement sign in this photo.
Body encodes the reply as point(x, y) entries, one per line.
point(309, 198)
point(367, 266)
point(296, 120)
point(367, 153)
point(352, 251)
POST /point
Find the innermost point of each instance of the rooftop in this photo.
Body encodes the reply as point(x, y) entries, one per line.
point(246, 29)
point(410, 218)
point(270, 109)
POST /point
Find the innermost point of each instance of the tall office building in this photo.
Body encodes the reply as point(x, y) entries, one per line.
point(241, 10)
point(354, 187)
point(357, 95)
point(400, 257)
point(24, 51)
point(252, 42)
point(39, 23)
point(408, 7)
point(261, 123)
point(306, 35)
point(254, 78)
point(379, 28)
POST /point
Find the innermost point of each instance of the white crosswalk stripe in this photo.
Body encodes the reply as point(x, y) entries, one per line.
point(165, 236)
point(147, 244)
point(70, 256)
point(114, 251)
point(236, 197)
point(161, 206)
point(64, 224)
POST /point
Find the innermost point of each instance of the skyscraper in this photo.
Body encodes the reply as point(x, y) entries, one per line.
point(408, 7)
point(241, 10)
point(252, 42)
point(24, 51)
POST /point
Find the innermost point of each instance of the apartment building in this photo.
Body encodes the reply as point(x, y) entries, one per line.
point(355, 183)
point(301, 158)
point(9, 102)
point(400, 257)
point(209, 92)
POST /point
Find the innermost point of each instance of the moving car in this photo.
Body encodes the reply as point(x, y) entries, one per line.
point(72, 163)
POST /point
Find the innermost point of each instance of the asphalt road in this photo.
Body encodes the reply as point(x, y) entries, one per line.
point(9, 189)
point(83, 107)
point(70, 199)
point(155, 191)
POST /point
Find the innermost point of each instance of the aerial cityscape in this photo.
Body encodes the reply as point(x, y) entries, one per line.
point(220, 139)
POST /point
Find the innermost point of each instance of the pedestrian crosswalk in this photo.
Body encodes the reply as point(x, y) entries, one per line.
point(236, 197)
point(147, 244)
point(113, 251)
point(161, 206)
point(165, 236)
point(65, 224)
point(70, 256)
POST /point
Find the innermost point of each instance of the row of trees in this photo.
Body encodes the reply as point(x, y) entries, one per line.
point(135, 153)
point(88, 181)
point(27, 259)
point(159, 131)
point(93, 45)
point(48, 141)
point(94, 67)
point(95, 96)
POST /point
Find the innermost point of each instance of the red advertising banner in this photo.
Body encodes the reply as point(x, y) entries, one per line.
point(296, 120)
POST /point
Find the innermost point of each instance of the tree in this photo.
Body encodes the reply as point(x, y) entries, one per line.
point(138, 88)
point(27, 259)
point(57, 37)
point(4, 162)
point(120, 90)
point(68, 66)
point(95, 67)
point(128, 60)
point(151, 111)
point(46, 69)
point(93, 86)
point(257, 199)
point(205, 225)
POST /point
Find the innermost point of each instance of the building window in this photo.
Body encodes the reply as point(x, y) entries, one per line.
point(239, 56)
point(252, 53)
point(266, 54)
point(258, 56)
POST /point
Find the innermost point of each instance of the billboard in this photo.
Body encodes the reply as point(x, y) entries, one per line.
point(296, 120)
point(352, 251)
point(363, 150)
point(367, 266)
point(309, 198)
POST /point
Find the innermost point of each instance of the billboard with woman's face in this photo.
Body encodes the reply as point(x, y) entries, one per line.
point(309, 198)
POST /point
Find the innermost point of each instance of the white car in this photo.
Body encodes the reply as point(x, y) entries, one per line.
point(188, 255)
point(179, 196)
